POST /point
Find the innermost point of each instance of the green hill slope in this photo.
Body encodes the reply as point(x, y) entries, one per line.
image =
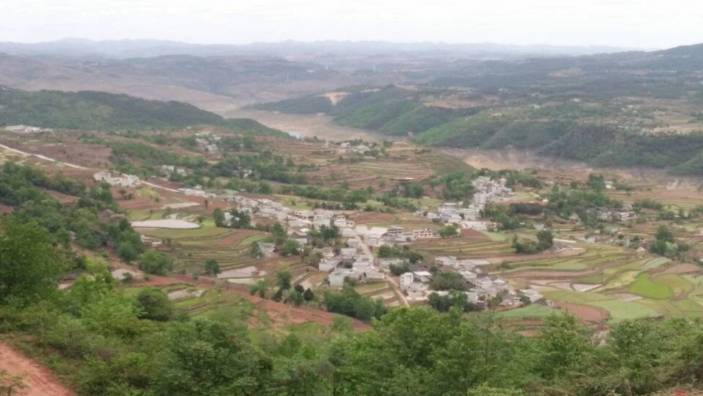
point(89, 110)
point(625, 109)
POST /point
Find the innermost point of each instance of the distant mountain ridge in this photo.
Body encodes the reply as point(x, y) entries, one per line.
point(624, 109)
point(208, 82)
point(151, 48)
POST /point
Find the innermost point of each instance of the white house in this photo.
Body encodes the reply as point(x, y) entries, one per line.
point(386, 263)
point(348, 253)
point(475, 225)
point(532, 294)
point(448, 261)
point(363, 262)
point(424, 233)
point(337, 278)
point(328, 264)
point(469, 276)
point(406, 280)
point(373, 275)
point(354, 243)
point(372, 236)
point(423, 276)
point(266, 249)
point(117, 179)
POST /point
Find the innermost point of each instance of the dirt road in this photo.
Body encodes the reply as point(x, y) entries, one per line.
point(43, 157)
point(38, 380)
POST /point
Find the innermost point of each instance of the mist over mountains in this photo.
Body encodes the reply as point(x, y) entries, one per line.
point(76, 47)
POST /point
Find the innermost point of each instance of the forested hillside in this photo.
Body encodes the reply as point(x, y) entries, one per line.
point(626, 109)
point(88, 110)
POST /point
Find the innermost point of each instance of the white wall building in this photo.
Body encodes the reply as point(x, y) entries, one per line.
point(406, 280)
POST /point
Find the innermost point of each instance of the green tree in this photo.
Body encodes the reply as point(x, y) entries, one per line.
point(664, 234)
point(240, 219)
point(279, 234)
point(349, 302)
point(563, 347)
point(545, 240)
point(290, 247)
point(296, 297)
point(30, 266)
point(448, 281)
point(308, 294)
point(212, 267)
point(596, 182)
point(154, 262)
point(448, 231)
point(260, 288)
point(283, 279)
point(154, 304)
point(219, 216)
point(210, 358)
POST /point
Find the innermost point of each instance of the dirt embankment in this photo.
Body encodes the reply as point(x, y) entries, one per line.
point(37, 379)
point(587, 313)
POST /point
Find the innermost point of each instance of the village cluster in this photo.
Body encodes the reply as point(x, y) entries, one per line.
point(486, 190)
point(357, 262)
point(483, 286)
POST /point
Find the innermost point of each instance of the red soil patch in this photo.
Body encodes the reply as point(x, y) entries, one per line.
point(472, 234)
point(39, 380)
point(682, 269)
point(75, 152)
point(62, 198)
point(586, 313)
point(372, 218)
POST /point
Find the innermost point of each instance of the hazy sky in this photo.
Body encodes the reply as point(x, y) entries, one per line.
point(629, 23)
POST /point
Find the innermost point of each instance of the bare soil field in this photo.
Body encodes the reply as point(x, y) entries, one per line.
point(304, 125)
point(586, 313)
point(62, 198)
point(38, 380)
point(74, 151)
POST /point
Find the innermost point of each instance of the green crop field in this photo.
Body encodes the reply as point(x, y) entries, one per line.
point(624, 310)
point(464, 248)
point(645, 286)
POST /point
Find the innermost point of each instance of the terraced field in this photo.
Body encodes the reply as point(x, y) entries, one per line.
point(370, 173)
point(381, 290)
point(192, 247)
point(463, 247)
point(215, 300)
point(618, 281)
